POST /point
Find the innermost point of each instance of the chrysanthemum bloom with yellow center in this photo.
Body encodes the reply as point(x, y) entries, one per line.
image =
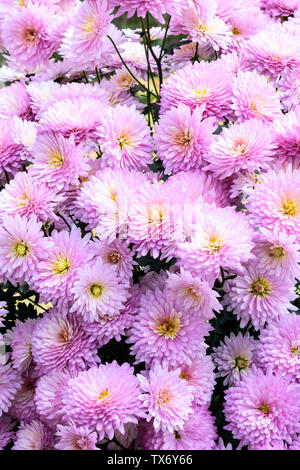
point(275, 203)
point(124, 138)
point(161, 332)
point(57, 270)
point(213, 243)
point(234, 357)
point(279, 347)
point(182, 139)
point(244, 146)
point(98, 292)
point(167, 398)
point(200, 374)
point(278, 253)
point(262, 409)
point(22, 246)
point(104, 397)
point(254, 97)
point(59, 342)
point(58, 161)
point(258, 296)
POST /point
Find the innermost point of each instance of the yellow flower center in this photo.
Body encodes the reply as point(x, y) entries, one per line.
point(96, 290)
point(183, 375)
point(276, 252)
point(64, 336)
point(163, 397)
point(253, 106)
point(289, 208)
point(214, 244)
point(203, 28)
point(31, 35)
point(124, 140)
point(264, 408)
point(201, 92)
point(89, 25)
point(104, 395)
point(295, 351)
point(241, 363)
point(236, 30)
point(184, 139)
point(190, 291)
point(114, 257)
point(56, 159)
point(260, 287)
point(21, 249)
point(62, 266)
point(169, 328)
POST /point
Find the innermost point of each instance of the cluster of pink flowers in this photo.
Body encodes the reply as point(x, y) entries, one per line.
point(150, 195)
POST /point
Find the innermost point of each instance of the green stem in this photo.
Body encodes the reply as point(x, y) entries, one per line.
point(85, 76)
point(62, 217)
point(147, 57)
point(157, 59)
point(164, 39)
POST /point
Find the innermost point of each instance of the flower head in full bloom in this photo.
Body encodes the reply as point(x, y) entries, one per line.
point(275, 203)
point(182, 139)
point(193, 295)
point(156, 7)
point(33, 436)
point(279, 347)
point(104, 398)
point(246, 146)
point(163, 332)
point(258, 296)
point(234, 357)
point(27, 35)
point(98, 292)
point(124, 138)
point(286, 135)
point(58, 162)
point(200, 375)
point(254, 97)
point(15, 101)
point(25, 196)
point(58, 342)
point(57, 271)
point(202, 83)
point(167, 398)
point(262, 409)
point(214, 243)
point(278, 252)
point(198, 433)
point(72, 437)
point(22, 246)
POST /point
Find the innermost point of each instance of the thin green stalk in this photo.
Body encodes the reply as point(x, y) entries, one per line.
point(157, 59)
point(164, 39)
point(147, 57)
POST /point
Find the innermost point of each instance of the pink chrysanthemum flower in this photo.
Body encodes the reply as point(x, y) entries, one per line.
point(22, 246)
point(193, 295)
point(246, 146)
point(262, 409)
point(20, 340)
point(214, 243)
point(199, 22)
point(27, 36)
point(202, 83)
point(24, 135)
point(279, 347)
point(258, 296)
point(84, 38)
point(75, 438)
point(22, 406)
point(198, 433)
point(167, 398)
point(33, 436)
point(124, 138)
point(271, 51)
point(200, 374)
point(286, 135)
point(278, 253)
point(280, 8)
point(6, 431)
point(115, 254)
point(119, 86)
point(10, 383)
point(79, 116)
point(234, 357)
point(15, 101)
point(98, 292)
point(289, 87)
point(55, 274)
point(181, 139)
point(104, 398)
point(275, 203)
point(49, 390)
point(254, 97)
point(59, 342)
point(26, 197)
point(162, 332)
point(58, 162)
point(156, 7)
